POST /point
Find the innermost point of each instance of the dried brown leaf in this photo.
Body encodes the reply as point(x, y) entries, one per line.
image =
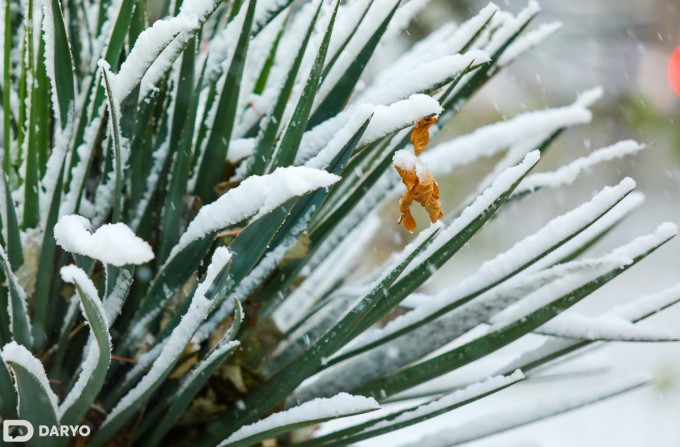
point(422, 189)
point(420, 135)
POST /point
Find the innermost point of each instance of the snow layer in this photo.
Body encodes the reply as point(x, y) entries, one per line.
point(408, 161)
point(386, 120)
point(114, 244)
point(148, 46)
point(489, 140)
point(197, 8)
point(13, 352)
point(340, 405)
point(511, 26)
point(567, 174)
point(75, 275)
point(341, 138)
point(606, 327)
point(623, 256)
point(255, 196)
point(448, 39)
point(265, 9)
point(647, 305)
point(629, 203)
point(180, 336)
point(518, 415)
point(462, 395)
point(422, 78)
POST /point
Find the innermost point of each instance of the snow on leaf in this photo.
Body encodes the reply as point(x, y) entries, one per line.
point(255, 196)
point(148, 46)
point(489, 140)
point(13, 352)
point(519, 415)
point(340, 405)
point(114, 244)
point(201, 303)
point(605, 327)
point(567, 174)
point(623, 256)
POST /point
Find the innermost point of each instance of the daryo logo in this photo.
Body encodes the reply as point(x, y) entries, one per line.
point(10, 433)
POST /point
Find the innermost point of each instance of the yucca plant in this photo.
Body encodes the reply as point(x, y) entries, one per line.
point(184, 202)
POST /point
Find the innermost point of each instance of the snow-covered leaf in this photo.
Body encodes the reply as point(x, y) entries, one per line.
point(308, 413)
point(98, 357)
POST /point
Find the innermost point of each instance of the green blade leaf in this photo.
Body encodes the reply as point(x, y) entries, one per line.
point(572, 290)
point(520, 415)
point(339, 95)
point(267, 136)
point(287, 147)
point(252, 197)
point(8, 395)
point(195, 380)
point(309, 413)
point(189, 388)
point(186, 102)
point(7, 89)
point(95, 90)
point(416, 414)
point(458, 233)
point(46, 269)
point(216, 283)
point(210, 169)
point(554, 237)
point(20, 324)
point(37, 401)
point(115, 129)
point(280, 385)
point(78, 401)
point(60, 68)
point(16, 257)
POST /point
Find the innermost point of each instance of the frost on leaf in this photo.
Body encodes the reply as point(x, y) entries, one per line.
point(420, 185)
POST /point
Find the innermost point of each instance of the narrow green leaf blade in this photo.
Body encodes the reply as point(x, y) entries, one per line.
point(91, 379)
point(37, 401)
point(267, 135)
point(18, 311)
point(8, 395)
point(210, 169)
point(338, 96)
point(60, 68)
point(290, 142)
point(309, 413)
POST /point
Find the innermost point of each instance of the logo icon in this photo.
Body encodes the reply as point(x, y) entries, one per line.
point(9, 424)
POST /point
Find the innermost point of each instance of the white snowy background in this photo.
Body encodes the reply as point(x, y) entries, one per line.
point(623, 46)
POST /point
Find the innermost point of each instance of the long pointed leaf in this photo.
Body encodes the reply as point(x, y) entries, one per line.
point(210, 169)
point(93, 374)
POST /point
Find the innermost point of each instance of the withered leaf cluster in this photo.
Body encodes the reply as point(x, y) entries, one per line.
point(421, 186)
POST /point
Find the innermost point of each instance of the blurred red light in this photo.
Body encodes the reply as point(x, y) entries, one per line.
point(674, 71)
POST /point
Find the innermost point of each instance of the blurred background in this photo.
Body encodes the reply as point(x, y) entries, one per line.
point(625, 47)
